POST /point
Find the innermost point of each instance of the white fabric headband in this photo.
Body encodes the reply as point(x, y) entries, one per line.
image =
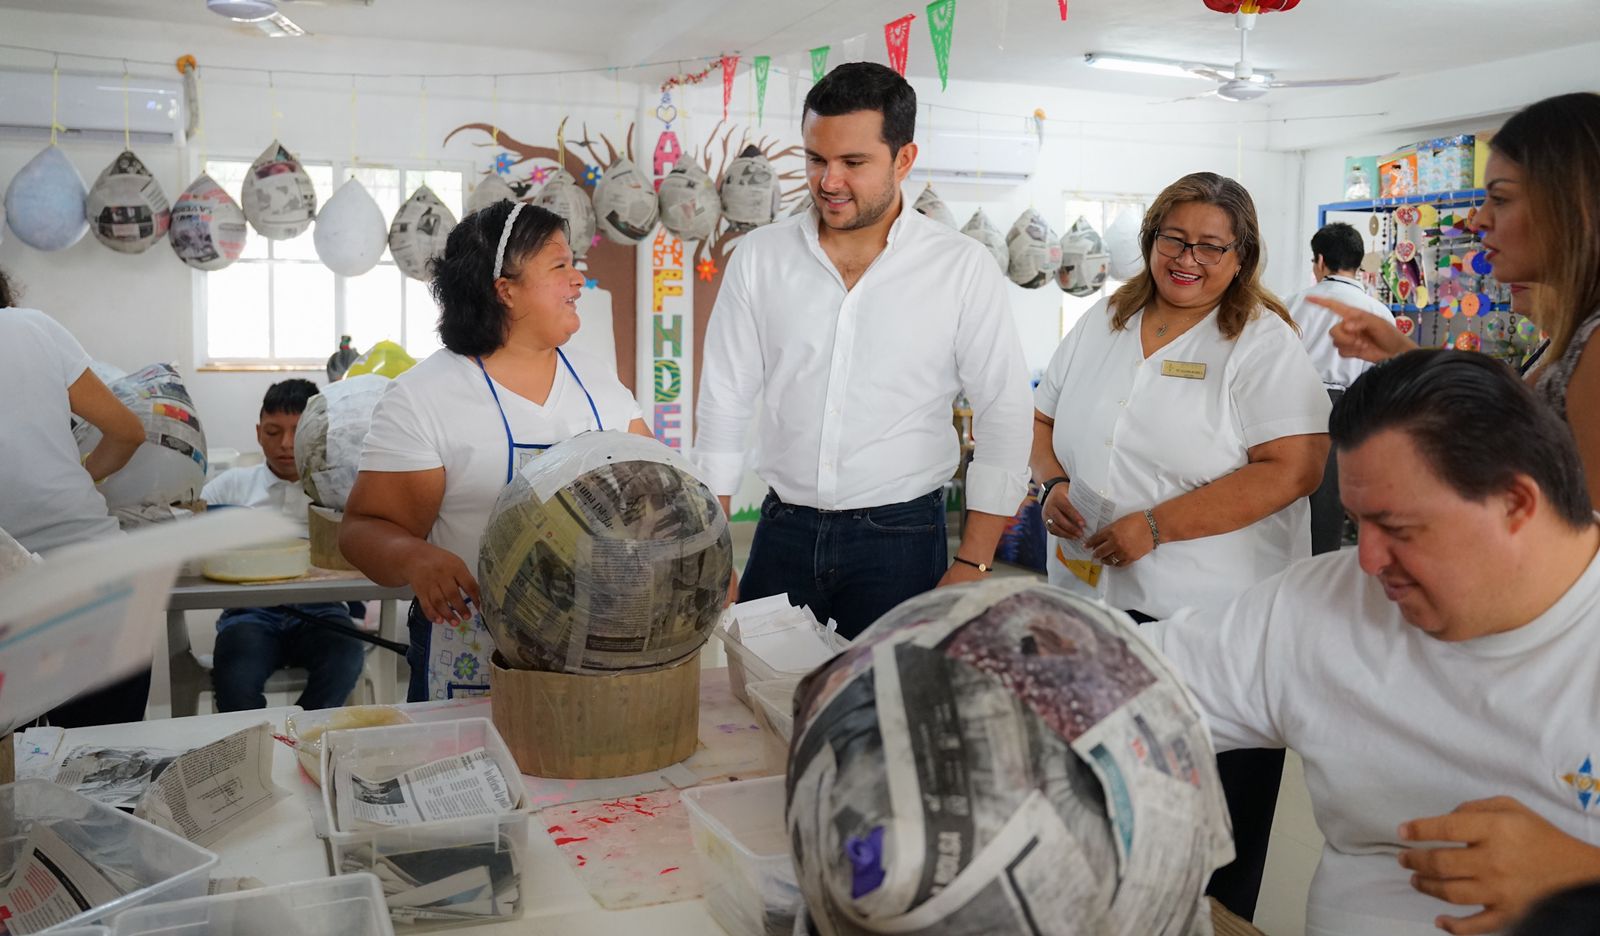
point(505, 236)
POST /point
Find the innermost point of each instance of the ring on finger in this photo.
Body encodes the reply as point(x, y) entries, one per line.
point(1049, 521)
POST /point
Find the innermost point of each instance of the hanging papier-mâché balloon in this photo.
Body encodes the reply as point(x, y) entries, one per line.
point(350, 235)
point(982, 230)
point(1035, 253)
point(1084, 260)
point(491, 191)
point(929, 203)
point(1122, 243)
point(419, 231)
point(564, 196)
point(690, 205)
point(208, 226)
point(279, 200)
point(749, 191)
point(625, 204)
point(126, 208)
point(44, 203)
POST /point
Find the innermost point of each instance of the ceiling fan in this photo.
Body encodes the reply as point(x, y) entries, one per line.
point(265, 15)
point(1245, 83)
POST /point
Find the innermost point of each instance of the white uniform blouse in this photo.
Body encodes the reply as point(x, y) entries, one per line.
point(1140, 437)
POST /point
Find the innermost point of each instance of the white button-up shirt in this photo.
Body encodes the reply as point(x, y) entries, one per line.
point(1315, 322)
point(1139, 437)
point(857, 384)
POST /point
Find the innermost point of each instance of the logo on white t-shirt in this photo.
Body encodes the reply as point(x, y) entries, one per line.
point(1585, 783)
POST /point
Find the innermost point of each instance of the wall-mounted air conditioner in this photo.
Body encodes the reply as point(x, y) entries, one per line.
point(982, 157)
point(91, 107)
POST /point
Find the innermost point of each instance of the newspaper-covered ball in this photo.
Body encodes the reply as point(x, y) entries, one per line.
point(419, 231)
point(982, 230)
point(750, 191)
point(278, 198)
point(328, 439)
point(1035, 255)
point(170, 467)
point(208, 228)
point(44, 202)
point(1122, 243)
point(351, 235)
point(625, 204)
point(604, 554)
point(491, 191)
point(1083, 260)
point(929, 203)
point(126, 208)
point(564, 196)
point(690, 205)
point(1003, 757)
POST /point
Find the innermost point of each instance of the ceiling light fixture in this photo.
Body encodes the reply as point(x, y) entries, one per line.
point(1162, 68)
point(243, 11)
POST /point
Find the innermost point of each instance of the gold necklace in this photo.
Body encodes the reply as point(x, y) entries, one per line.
point(1162, 330)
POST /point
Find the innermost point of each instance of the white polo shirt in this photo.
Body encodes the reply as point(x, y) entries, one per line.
point(1139, 438)
point(1337, 372)
point(856, 385)
point(257, 487)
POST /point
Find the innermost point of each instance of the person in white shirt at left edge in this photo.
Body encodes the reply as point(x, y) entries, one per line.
point(1336, 252)
point(1441, 680)
point(857, 324)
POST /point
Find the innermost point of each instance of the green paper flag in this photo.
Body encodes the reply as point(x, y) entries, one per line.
point(819, 61)
point(762, 64)
point(941, 23)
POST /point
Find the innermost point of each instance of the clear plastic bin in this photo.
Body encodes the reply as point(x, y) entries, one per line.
point(148, 864)
point(748, 875)
point(745, 667)
point(348, 905)
point(81, 931)
point(772, 703)
point(430, 852)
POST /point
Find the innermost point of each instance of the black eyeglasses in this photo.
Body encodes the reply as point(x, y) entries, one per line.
point(1204, 254)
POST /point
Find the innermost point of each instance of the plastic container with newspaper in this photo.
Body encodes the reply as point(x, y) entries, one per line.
point(749, 878)
point(772, 702)
point(83, 862)
point(437, 811)
point(769, 639)
point(348, 905)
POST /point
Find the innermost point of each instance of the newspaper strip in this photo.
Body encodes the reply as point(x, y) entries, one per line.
point(1096, 510)
point(51, 884)
point(115, 777)
point(469, 784)
point(211, 790)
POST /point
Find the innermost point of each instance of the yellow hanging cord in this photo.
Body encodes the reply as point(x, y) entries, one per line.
point(55, 98)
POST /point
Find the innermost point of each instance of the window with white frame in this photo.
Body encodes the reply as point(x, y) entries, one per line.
point(278, 305)
point(1099, 213)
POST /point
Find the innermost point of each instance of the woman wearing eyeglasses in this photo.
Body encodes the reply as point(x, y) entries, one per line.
point(1177, 432)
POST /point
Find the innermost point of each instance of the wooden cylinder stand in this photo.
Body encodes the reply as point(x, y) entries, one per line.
point(323, 525)
point(587, 727)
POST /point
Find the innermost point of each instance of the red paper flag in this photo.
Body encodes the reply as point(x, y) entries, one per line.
point(1063, 4)
point(896, 35)
point(729, 64)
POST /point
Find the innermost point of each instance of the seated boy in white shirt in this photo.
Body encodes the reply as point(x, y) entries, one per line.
point(1440, 681)
point(252, 643)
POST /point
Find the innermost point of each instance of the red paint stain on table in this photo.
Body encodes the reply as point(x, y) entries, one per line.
point(569, 839)
point(668, 870)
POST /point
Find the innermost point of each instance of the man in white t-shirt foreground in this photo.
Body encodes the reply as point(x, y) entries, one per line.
point(254, 642)
point(1336, 252)
point(1440, 682)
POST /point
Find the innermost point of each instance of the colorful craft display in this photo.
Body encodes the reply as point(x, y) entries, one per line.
point(896, 39)
point(941, 26)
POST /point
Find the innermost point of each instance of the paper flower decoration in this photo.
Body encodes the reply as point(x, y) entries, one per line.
point(706, 270)
point(504, 162)
point(540, 174)
point(591, 175)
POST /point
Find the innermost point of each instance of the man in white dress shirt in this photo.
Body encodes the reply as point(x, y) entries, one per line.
point(1440, 682)
point(1336, 252)
point(856, 325)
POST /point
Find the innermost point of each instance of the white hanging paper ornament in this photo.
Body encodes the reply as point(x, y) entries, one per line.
point(1084, 260)
point(563, 195)
point(1122, 243)
point(929, 203)
point(208, 227)
point(126, 209)
point(44, 202)
point(419, 231)
point(350, 235)
point(690, 205)
point(279, 199)
point(982, 230)
point(491, 191)
point(749, 191)
point(625, 204)
point(1035, 253)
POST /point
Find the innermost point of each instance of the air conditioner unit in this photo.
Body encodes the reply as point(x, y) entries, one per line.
point(91, 107)
point(983, 157)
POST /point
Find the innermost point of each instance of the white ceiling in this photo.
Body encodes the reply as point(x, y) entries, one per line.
point(1319, 39)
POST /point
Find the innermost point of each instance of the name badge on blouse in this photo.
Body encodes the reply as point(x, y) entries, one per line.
point(1188, 370)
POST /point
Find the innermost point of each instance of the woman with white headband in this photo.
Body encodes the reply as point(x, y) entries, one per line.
point(449, 434)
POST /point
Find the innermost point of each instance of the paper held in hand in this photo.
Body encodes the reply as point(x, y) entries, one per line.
point(1096, 510)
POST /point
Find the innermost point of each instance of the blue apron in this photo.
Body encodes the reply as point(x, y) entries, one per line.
point(458, 654)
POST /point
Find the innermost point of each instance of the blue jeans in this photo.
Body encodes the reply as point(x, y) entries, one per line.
point(253, 643)
point(848, 565)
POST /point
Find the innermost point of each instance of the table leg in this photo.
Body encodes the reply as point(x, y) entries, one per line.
point(385, 681)
point(186, 678)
